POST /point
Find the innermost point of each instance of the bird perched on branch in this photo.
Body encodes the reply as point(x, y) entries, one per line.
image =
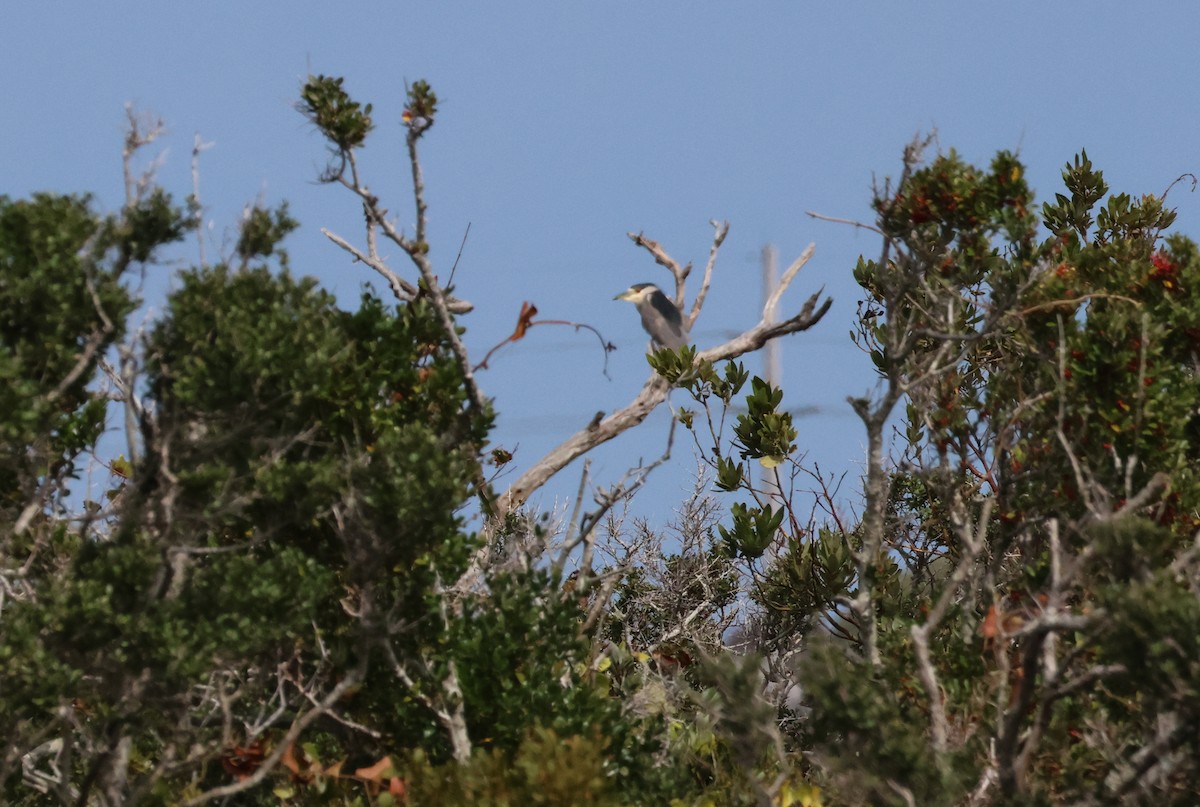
point(660, 317)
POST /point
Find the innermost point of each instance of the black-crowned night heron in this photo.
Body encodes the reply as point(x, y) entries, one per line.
point(660, 317)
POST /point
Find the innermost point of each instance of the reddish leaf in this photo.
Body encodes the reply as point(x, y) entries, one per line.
point(301, 767)
point(528, 312)
point(396, 787)
point(988, 629)
point(289, 761)
point(241, 762)
point(376, 772)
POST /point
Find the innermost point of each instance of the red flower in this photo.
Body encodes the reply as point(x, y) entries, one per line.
point(1164, 271)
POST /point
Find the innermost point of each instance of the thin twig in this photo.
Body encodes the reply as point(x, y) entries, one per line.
point(198, 148)
point(785, 281)
point(856, 224)
point(606, 346)
point(418, 253)
point(403, 290)
point(298, 726)
point(720, 231)
point(457, 257)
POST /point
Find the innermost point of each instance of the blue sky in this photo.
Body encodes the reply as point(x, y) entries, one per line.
point(565, 125)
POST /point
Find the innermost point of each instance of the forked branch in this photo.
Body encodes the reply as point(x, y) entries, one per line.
point(654, 391)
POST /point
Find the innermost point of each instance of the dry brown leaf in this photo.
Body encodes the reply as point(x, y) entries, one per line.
point(241, 762)
point(376, 772)
point(528, 312)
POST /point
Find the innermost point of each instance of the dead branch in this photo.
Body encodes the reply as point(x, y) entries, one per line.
point(525, 321)
point(417, 251)
point(721, 229)
point(293, 733)
point(143, 130)
point(582, 530)
point(973, 539)
point(861, 225)
point(198, 148)
point(679, 273)
point(654, 392)
point(404, 291)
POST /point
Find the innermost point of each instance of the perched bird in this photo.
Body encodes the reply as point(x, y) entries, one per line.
point(660, 317)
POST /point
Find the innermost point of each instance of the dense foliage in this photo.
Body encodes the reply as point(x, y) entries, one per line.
point(296, 584)
point(1014, 617)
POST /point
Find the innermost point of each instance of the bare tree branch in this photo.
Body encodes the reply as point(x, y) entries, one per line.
point(852, 222)
point(654, 392)
point(720, 231)
point(404, 291)
point(303, 721)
